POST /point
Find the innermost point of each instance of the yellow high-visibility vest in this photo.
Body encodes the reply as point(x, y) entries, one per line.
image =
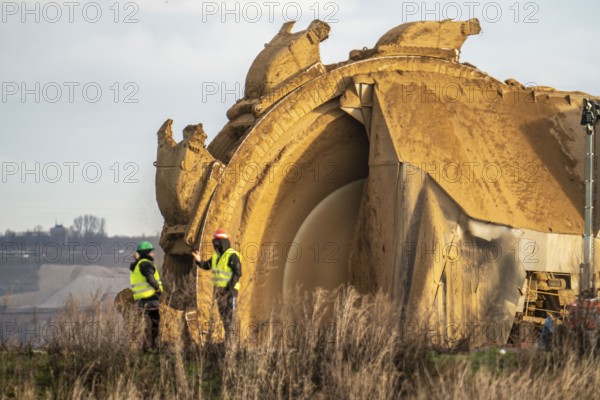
point(140, 286)
point(221, 273)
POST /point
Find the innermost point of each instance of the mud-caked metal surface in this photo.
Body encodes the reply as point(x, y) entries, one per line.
point(400, 170)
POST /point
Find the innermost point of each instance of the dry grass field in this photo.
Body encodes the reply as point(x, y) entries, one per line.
point(324, 346)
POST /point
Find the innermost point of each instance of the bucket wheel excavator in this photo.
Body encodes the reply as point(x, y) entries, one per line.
point(401, 170)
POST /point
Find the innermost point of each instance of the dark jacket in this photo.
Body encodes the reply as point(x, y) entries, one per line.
point(147, 269)
point(221, 245)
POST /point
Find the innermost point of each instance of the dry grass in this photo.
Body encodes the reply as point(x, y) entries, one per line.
point(324, 346)
point(337, 345)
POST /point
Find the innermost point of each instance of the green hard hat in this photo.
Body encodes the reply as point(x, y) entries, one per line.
point(145, 246)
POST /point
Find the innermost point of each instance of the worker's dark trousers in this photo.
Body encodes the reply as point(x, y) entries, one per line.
point(154, 316)
point(150, 308)
point(226, 301)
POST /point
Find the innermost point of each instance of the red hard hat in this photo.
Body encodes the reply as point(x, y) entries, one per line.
point(220, 234)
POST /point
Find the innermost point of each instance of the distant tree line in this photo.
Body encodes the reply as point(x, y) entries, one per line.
point(83, 227)
point(84, 242)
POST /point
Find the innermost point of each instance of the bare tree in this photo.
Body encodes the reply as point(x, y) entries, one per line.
point(77, 227)
point(87, 226)
point(9, 235)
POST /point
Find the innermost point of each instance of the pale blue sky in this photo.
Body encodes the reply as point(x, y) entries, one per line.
point(174, 50)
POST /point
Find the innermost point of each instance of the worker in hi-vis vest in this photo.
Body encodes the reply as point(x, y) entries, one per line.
point(226, 267)
point(146, 286)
